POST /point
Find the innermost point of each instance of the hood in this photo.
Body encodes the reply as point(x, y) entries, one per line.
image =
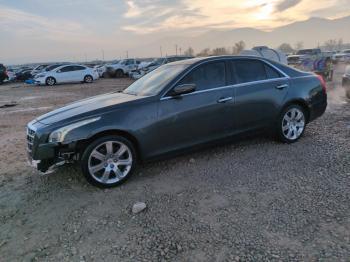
point(84, 108)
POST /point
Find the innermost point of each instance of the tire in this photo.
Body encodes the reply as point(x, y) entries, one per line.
point(50, 81)
point(291, 124)
point(119, 73)
point(88, 79)
point(105, 168)
point(347, 91)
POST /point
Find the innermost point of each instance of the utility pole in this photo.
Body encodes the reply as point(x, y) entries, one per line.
point(127, 54)
point(103, 55)
point(176, 49)
point(161, 51)
point(180, 50)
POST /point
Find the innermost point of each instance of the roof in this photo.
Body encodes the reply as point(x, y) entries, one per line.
point(211, 58)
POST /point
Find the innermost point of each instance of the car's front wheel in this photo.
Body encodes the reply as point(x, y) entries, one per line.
point(119, 73)
point(108, 161)
point(50, 81)
point(291, 124)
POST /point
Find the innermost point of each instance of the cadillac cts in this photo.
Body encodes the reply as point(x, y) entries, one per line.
point(177, 106)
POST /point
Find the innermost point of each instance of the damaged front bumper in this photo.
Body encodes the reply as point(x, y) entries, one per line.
point(46, 167)
point(47, 157)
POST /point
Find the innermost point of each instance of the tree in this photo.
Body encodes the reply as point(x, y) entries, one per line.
point(220, 51)
point(189, 52)
point(299, 45)
point(204, 52)
point(286, 48)
point(238, 47)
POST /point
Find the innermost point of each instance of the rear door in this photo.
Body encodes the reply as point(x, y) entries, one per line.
point(79, 73)
point(200, 116)
point(259, 91)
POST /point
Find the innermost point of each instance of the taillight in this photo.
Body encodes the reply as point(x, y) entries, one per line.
point(323, 83)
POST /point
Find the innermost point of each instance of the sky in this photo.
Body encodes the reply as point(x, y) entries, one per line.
point(63, 30)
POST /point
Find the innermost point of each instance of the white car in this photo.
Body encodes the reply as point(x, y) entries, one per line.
point(123, 67)
point(101, 70)
point(67, 74)
point(343, 56)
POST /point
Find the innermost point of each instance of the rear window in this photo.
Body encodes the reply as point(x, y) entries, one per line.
point(272, 73)
point(249, 71)
point(288, 70)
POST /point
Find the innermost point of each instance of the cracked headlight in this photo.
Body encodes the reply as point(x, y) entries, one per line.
point(60, 134)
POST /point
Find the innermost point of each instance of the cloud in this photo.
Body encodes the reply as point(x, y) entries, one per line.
point(24, 24)
point(149, 16)
point(286, 4)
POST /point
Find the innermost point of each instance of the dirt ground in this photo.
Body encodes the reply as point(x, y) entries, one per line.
point(252, 200)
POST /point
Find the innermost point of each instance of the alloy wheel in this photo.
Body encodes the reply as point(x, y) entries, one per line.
point(110, 162)
point(88, 79)
point(50, 81)
point(293, 123)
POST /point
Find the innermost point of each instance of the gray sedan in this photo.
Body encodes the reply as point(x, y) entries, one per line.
point(176, 107)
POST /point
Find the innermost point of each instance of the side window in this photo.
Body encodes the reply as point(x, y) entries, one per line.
point(67, 69)
point(206, 76)
point(78, 68)
point(272, 73)
point(249, 71)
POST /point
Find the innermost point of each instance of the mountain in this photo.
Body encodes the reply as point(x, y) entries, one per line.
point(312, 32)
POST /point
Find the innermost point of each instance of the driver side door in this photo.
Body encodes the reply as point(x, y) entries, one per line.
point(200, 116)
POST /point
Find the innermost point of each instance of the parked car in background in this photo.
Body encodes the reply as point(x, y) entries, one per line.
point(11, 75)
point(122, 68)
point(141, 71)
point(343, 56)
point(24, 74)
point(346, 81)
point(54, 66)
point(3, 73)
point(101, 70)
point(303, 54)
point(39, 69)
point(176, 107)
point(67, 74)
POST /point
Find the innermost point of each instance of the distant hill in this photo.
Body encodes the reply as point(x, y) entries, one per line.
point(311, 32)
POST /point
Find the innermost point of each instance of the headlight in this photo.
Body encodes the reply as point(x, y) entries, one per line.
point(60, 134)
point(40, 75)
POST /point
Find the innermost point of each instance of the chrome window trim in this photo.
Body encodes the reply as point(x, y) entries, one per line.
point(285, 76)
point(224, 87)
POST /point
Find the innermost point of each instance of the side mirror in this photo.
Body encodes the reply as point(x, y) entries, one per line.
point(183, 89)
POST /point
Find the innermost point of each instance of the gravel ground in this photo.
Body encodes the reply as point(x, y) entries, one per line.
point(252, 200)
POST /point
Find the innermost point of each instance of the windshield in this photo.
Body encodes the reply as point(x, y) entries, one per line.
point(51, 67)
point(155, 81)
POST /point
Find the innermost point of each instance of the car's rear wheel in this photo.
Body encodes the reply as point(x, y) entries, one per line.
point(88, 79)
point(291, 124)
point(119, 73)
point(50, 81)
point(108, 161)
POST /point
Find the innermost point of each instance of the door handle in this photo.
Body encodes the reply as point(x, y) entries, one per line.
point(282, 86)
point(225, 99)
